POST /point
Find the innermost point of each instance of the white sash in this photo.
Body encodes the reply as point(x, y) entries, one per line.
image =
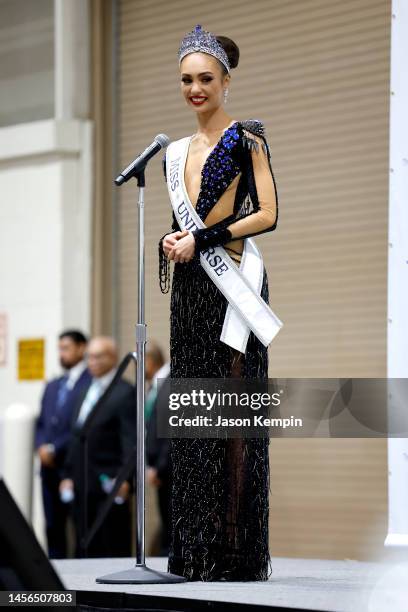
point(241, 286)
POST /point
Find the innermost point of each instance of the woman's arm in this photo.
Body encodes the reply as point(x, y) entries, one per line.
point(263, 193)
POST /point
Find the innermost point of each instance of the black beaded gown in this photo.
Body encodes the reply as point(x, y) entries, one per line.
point(220, 487)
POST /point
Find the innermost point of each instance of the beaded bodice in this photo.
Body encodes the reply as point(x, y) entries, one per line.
point(219, 169)
point(237, 195)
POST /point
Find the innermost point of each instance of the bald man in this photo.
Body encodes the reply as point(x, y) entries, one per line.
point(111, 438)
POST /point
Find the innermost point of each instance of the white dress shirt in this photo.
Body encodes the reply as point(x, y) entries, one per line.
point(161, 373)
point(97, 388)
point(75, 373)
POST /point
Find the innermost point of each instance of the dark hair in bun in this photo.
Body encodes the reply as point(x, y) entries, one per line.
point(231, 49)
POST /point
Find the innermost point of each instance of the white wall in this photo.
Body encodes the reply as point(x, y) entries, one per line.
point(45, 271)
point(45, 207)
point(45, 241)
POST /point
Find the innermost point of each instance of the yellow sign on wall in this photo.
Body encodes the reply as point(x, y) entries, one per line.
point(31, 359)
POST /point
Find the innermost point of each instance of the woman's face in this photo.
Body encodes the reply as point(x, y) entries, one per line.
point(202, 82)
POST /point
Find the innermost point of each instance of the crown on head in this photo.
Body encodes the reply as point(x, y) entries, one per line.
point(201, 40)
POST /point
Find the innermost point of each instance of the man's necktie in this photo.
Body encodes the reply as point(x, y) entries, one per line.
point(62, 392)
point(150, 400)
point(92, 396)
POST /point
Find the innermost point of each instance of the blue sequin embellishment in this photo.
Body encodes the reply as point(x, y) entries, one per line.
point(219, 171)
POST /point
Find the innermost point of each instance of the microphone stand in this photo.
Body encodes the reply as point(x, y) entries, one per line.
point(140, 574)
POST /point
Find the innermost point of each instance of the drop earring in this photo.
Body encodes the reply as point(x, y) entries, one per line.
point(225, 95)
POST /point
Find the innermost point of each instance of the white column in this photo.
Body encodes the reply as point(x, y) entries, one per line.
point(46, 177)
point(17, 445)
point(397, 353)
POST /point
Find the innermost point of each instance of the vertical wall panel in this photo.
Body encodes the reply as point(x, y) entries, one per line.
point(26, 61)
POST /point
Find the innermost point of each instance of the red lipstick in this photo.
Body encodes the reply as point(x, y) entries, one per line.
point(197, 100)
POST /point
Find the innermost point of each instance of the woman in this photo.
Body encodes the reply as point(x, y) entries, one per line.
point(220, 487)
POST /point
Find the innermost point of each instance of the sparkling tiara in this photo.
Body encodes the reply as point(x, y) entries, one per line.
point(201, 40)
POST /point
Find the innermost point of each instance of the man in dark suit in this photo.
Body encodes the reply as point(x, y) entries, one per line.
point(111, 439)
point(53, 430)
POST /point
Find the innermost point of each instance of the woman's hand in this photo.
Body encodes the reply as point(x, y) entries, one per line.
point(170, 240)
point(184, 248)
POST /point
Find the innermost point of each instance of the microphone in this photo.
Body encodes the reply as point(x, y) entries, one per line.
point(139, 164)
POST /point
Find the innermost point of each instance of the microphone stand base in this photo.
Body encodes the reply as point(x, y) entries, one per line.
point(140, 574)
